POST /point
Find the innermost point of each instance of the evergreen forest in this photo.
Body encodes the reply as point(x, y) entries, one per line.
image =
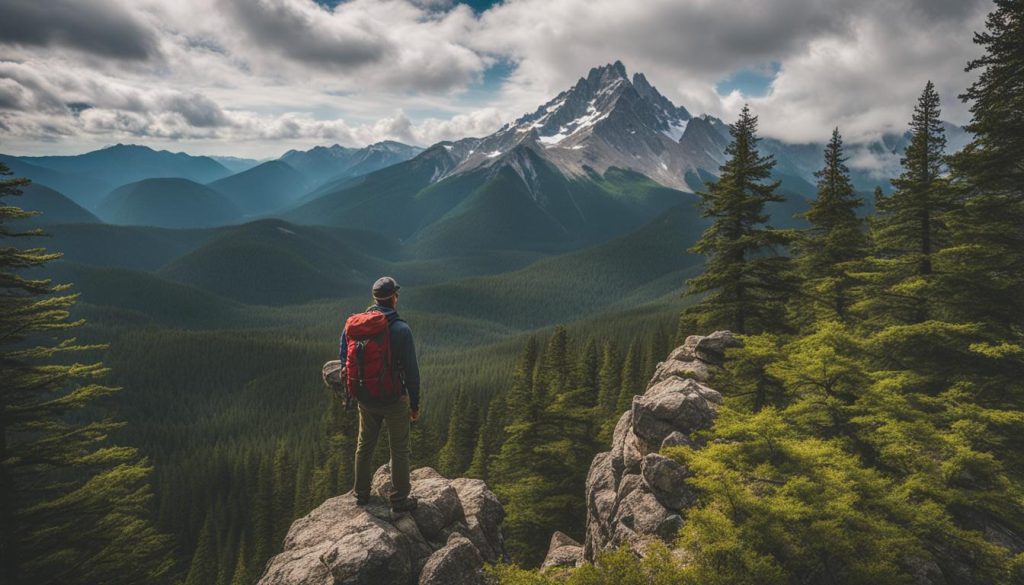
point(162, 422)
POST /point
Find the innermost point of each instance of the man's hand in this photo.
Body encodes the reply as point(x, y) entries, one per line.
point(414, 415)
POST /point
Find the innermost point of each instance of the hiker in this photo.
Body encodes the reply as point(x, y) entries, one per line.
point(382, 374)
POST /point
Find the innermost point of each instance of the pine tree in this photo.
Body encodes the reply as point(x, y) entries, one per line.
point(610, 378)
point(541, 468)
point(631, 384)
point(490, 439)
point(987, 260)
point(241, 574)
point(457, 453)
point(835, 239)
point(521, 401)
point(203, 570)
point(303, 477)
point(283, 492)
point(909, 226)
point(263, 514)
point(982, 270)
point(74, 508)
point(743, 276)
point(554, 374)
point(587, 373)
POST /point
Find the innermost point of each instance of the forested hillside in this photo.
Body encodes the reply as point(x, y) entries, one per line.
point(163, 419)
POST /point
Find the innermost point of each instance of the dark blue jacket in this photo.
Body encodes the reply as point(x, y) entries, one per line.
point(402, 350)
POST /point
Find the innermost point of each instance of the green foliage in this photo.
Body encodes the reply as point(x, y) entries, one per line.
point(631, 384)
point(783, 507)
point(74, 507)
point(614, 567)
point(550, 440)
point(909, 226)
point(835, 239)
point(457, 453)
point(981, 272)
point(492, 435)
point(747, 381)
point(743, 276)
point(609, 378)
point(203, 569)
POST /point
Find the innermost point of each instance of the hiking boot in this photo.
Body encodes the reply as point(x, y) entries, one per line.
point(362, 500)
point(405, 505)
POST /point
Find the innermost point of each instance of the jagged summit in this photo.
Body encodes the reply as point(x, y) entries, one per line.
point(605, 120)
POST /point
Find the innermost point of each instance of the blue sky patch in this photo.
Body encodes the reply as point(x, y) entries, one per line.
point(753, 82)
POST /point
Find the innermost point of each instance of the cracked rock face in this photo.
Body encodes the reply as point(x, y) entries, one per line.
point(635, 495)
point(453, 531)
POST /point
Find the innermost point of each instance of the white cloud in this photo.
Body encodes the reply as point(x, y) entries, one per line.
point(260, 76)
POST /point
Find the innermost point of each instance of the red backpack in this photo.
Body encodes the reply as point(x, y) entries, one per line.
point(370, 372)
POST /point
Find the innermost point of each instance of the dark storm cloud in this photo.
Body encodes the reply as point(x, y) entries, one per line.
point(294, 30)
point(100, 27)
point(197, 109)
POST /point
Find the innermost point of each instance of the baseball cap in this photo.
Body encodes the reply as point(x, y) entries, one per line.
point(385, 287)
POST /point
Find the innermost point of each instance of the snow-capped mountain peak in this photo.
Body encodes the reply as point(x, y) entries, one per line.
point(605, 120)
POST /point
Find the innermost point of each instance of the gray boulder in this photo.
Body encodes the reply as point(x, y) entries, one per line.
point(563, 552)
point(666, 479)
point(695, 369)
point(709, 348)
point(672, 405)
point(619, 439)
point(484, 515)
point(456, 563)
point(455, 528)
point(641, 512)
point(677, 439)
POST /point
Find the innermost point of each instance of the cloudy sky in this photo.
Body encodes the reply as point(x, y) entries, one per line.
point(257, 77)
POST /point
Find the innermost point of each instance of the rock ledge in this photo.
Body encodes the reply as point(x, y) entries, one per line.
point(446, 540)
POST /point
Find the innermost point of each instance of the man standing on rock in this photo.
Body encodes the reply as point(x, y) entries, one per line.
point(384, 378)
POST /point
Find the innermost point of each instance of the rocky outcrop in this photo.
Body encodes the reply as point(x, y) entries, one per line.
point(446, 540)
point(634, 494)
point(563, 552)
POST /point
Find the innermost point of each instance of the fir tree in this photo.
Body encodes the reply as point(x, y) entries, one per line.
point(263, 516)
point(554, 374)
point(521, 401)
point(743, 276)
point(303, 476)
point(987, 261)
point(588, 373)
point(283, 492)
point(835, 239)
point(241, 573)
point(457, 453)
point(610, 378)
point(909, 226)
point(74, 508)
point(490, 439)
point(631, 384)
point(982, 270)
point(542, 465)
point(203, 570)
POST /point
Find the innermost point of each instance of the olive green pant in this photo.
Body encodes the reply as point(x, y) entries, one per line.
point(396, 417)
